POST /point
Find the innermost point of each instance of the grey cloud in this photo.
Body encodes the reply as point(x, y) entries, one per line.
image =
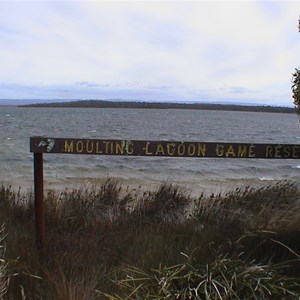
point(165, 87)
point(91, 84)
point(241, 90)
point(237, 90)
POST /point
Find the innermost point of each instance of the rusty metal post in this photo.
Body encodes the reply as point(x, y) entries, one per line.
point(39, 199)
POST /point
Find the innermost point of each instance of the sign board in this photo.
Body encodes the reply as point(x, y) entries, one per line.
point(40, 145)
point(163, 148)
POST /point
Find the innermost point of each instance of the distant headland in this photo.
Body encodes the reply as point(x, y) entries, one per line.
point(164, 105)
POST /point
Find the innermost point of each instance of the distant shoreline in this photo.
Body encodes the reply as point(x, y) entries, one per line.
point(163, 105)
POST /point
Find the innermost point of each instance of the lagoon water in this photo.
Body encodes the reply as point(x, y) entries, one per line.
point(211, 174)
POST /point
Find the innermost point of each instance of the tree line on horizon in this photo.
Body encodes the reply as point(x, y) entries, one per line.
point(164, 105)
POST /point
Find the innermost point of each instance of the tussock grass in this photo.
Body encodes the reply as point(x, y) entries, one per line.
point(224, 278)
point(4, 268)
point(107, 242)
point(266, 207)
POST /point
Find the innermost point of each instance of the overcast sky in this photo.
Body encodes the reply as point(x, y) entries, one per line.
point(220, 51)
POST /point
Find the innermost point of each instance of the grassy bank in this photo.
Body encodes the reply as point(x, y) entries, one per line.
point(109, 242)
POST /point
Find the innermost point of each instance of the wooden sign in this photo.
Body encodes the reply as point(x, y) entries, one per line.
point(40, 145)
point(163, 148)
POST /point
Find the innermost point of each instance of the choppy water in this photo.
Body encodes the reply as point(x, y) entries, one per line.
point(18, 124)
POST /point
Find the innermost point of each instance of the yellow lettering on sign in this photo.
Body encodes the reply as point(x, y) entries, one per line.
point(129, 148)
point(251, 151)
point(219, 150)
point(146, 149)
point(242, 151)
point(181, 149)
point(269, 151)
point(191, 150)
point(106, 151)
point(295, 151)
point(230, 151)
point(89, 146)
point(170, 148)
point(160, 150)
point(79, 146)
point(120, 147)
point(286, 151)
point(69, 146)
point(278, 151)
point(98, 149)
point(201, 149)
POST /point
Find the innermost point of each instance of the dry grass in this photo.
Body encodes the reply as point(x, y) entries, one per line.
point(4, 267)
point(224, 278)
point(244, 242)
